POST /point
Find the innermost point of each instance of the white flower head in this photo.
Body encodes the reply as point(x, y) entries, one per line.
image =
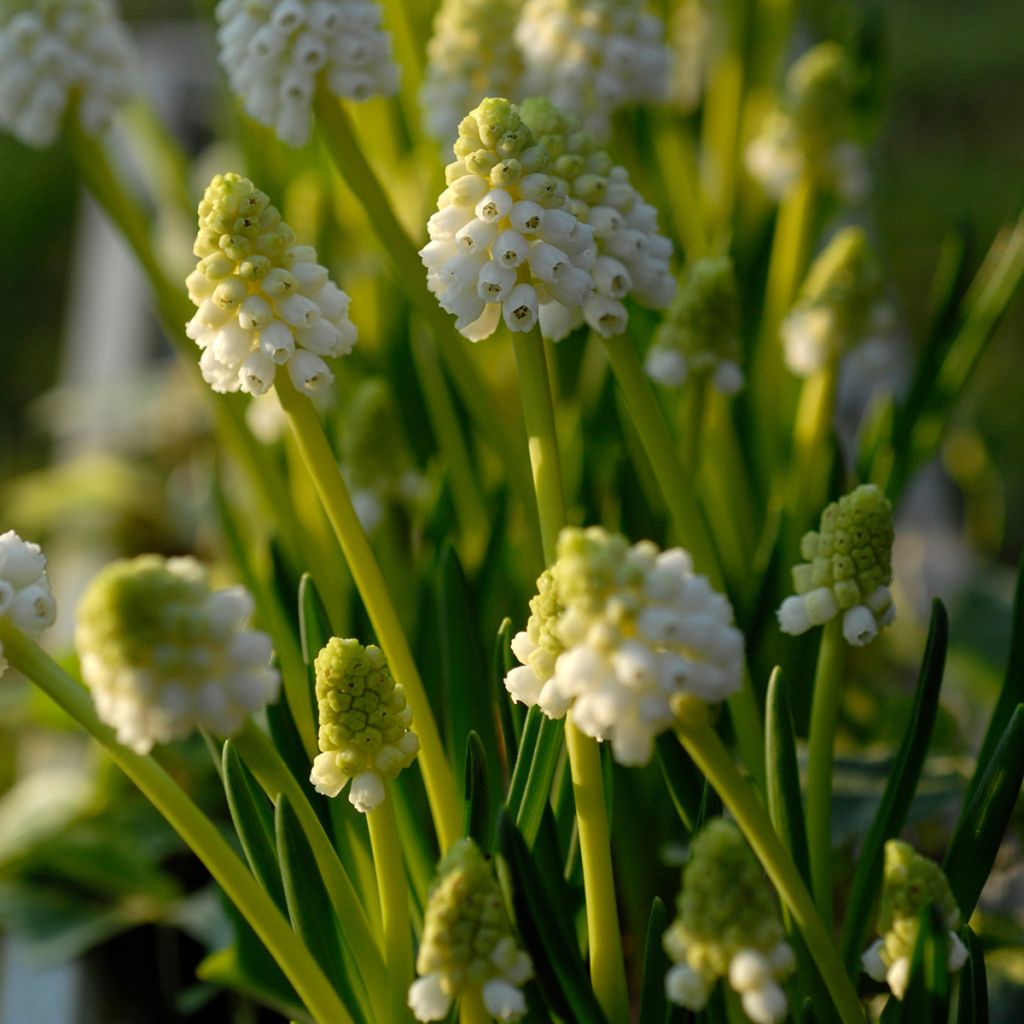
point(630, 258)
point(278, 52)
point(472, 54)
point(164, 654)
point(700, 335)
point(593, 57)
point(468, 942)
point(910, 883)
point(847, 569)
point(364, 724)
point(25, 599)
point(617, 634)
point(728, 926)
point(503, 242)
point(262, 301)
point(59, 52)
point(839, 305)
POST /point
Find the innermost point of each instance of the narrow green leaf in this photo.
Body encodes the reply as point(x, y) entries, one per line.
point(314, 625)
point(685, 784)
point(253, 819)
point(510, 714)
point(972, 851)
point(899, 790)
point(654, 1006)
point(542, 773)
point(309, 907)
point(1012, 692)
point(479, 813)
point(523, 761)
point(783, 776)
point(559, 968)
point(972, 1007)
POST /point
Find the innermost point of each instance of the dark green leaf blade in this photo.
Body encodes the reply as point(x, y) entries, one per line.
point(479, 813)
point(654, 1006)
point(972, 1007)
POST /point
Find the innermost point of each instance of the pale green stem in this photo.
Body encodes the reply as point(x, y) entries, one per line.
point(399, 19)
point(201, 835)
point(347, 153)
point(323, 468)
point(607, 970)
point(673, 145)
point(825, 705)
point(261, 757)
point(711, 757)
point(687, 517)
point(472, 1009)
point(694, 401)
point(393, 890)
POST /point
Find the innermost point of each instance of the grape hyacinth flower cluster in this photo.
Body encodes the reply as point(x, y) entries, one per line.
point(618, 634)
point(59, 52)
point(471, 54)
point(911, 882)
point(25, 598)
point(467, 942)
point(728, 926)
point(632, 257)
point(808, 132)
point(164, 654)
point(839, 305)
point(502, 241)
point(276, 51)
point(592, 57)
point(364, 724)
point(699, 336)
point(263, 301)
point(847, 569)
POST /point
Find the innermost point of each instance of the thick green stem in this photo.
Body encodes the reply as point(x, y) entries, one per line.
point(472, 1009)
point(704, 746)
point(828, 691)
point(323, 468)
point(607, 970)
point(393, 890)
point(192, 825)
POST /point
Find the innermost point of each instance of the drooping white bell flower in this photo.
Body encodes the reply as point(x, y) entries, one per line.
point(25, 598)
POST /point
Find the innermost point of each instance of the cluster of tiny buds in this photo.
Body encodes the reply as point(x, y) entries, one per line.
point(502, 241)
point(263, 301)
point(839, 305)
point(468, 943)
point(275, 53)
point(164, 654)
point(847, 568)
point(727, 926)
point(806, 135)
point(25, 599)
point(56, 52)
point(699, 337)
point(618, 635)
point(364, 724)
point(472, 53)
point(592, 57)
point(911, 882)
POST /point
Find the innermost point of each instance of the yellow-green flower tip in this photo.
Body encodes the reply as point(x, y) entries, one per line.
point(700, 334)
point(727, 926)
point(847, 569)
point(467, 941)
point(364, 723)
point(164, 654)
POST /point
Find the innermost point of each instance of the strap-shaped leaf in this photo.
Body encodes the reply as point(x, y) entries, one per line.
point(510, 714)
point(480, 812)
point(972, 851)
point(559, 968)
point(899, 790)
point(654, 1008)
point(253, 818)
point(972, 1007)
point(685, 784)
point(537, 790)
point(523, 761)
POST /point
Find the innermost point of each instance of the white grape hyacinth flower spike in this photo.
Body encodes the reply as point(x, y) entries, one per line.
point(25, 599)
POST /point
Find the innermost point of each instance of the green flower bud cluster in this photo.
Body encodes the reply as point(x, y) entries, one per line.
point(700, 334)
point(472, 53)
point(839, 304)
point(727, 925)
point(364, 723)
point(911, 882)
point(847, 568)
point(375, 457)
point(807, 133)
point(468, 942)
point(262, 300)
point(618, 634)
point(164, 654)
